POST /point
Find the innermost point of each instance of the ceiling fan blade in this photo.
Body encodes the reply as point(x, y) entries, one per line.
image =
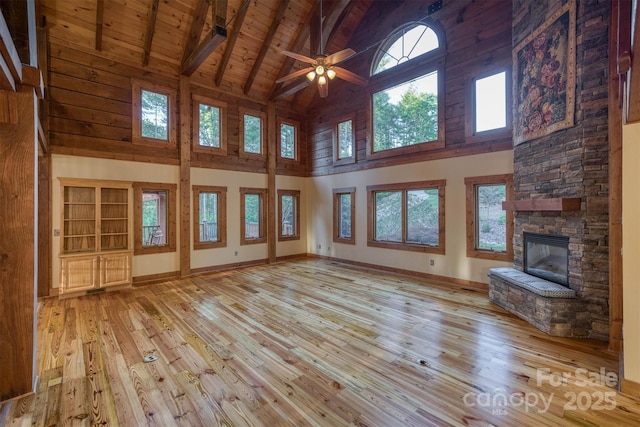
point(299, 57)
point(338, 57)
point(295, 74)
point(323, 90)
point(349, 76)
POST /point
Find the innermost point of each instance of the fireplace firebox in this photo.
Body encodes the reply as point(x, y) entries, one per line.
point(547, 257)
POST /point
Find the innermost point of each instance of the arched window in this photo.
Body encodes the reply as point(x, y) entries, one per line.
point(406, 102)
point(408, 42)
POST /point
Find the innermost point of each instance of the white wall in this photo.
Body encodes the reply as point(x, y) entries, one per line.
point(63, 166)
point(455, 262)
point(102, 169)
point(631, 250)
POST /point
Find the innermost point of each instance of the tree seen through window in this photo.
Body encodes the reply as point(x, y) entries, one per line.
point(155, 111)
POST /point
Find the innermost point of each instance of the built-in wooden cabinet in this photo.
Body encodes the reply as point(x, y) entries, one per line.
point(96, 235)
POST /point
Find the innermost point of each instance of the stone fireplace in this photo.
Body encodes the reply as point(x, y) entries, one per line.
point(561, 182)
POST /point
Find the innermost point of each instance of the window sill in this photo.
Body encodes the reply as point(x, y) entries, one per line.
point(407, 247)
point(148, 250)
point(490, 255)
point(208, 245)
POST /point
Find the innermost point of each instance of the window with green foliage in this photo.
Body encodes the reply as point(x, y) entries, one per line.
point(152, 113)
point(344, 209)
point(345, 139)
point(406, 114)
point(407, 111)
point(253, 215)
point(252, 133)
point(289, 214)
point(155, 115)
point(288, 141)
point(489, 226)
point(407, 216)
point(154, 217)
point(209, 126)
point(209, 209)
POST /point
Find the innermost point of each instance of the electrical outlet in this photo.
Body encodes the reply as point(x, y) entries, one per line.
point(328, 248)
point(319, 247)
point(56, 232)
point(235, 253)
point(432, 262)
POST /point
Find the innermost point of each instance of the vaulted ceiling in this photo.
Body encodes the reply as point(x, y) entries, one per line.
point(186, 37)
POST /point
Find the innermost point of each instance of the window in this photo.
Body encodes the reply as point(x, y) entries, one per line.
point(289, 215)
point(406, 114)
point(407, 216)
point(488, 108)
point(406, 110)
point(251, 133)
point(344, 214)
point(154, 217)
point(210, 217)
point(344, 141)
point(152, 108)
point(209, 125)
point(288, 140)
point(253, 215)
point(489, 227)
point(406, 43)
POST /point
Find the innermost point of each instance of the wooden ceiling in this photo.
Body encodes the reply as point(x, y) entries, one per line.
point(160, 35)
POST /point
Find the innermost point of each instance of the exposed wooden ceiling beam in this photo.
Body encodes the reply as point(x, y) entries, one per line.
point(99, 22)
point(211, 42)
point(151, 29)
point(197, 24)
point(285, 91)
point(265, 45)
point(237, 24)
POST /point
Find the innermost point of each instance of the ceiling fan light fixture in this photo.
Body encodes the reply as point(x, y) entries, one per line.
point(320, 70)
point(322, 80)
point(331, 74)
point(311, 75)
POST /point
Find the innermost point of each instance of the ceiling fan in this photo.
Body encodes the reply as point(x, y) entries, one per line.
point(323, 67)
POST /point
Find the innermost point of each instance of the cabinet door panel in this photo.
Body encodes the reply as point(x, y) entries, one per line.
point(79, 273)
point(115, 269)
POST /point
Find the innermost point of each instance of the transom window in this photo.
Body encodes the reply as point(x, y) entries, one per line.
point(407, 43)
point(407, 216)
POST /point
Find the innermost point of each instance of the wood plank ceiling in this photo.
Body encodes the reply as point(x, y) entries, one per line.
point(176, 37)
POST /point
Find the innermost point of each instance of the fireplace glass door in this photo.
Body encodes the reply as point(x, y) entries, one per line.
point(547, 257)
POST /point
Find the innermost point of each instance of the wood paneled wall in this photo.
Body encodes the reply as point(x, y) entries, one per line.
point(478, 39)
point(91, 114)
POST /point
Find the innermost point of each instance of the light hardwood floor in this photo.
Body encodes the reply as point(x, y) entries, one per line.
point(310, 343)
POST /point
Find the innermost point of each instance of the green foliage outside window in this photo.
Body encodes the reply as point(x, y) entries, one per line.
point(345, 139)
point(252, 134)
point(209, 129)
point(421, 211)
point(406, 114)
point(287, 141)
point(154, 115)
point(345, 216)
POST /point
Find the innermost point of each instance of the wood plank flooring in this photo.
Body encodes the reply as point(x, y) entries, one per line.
point(310, 343)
